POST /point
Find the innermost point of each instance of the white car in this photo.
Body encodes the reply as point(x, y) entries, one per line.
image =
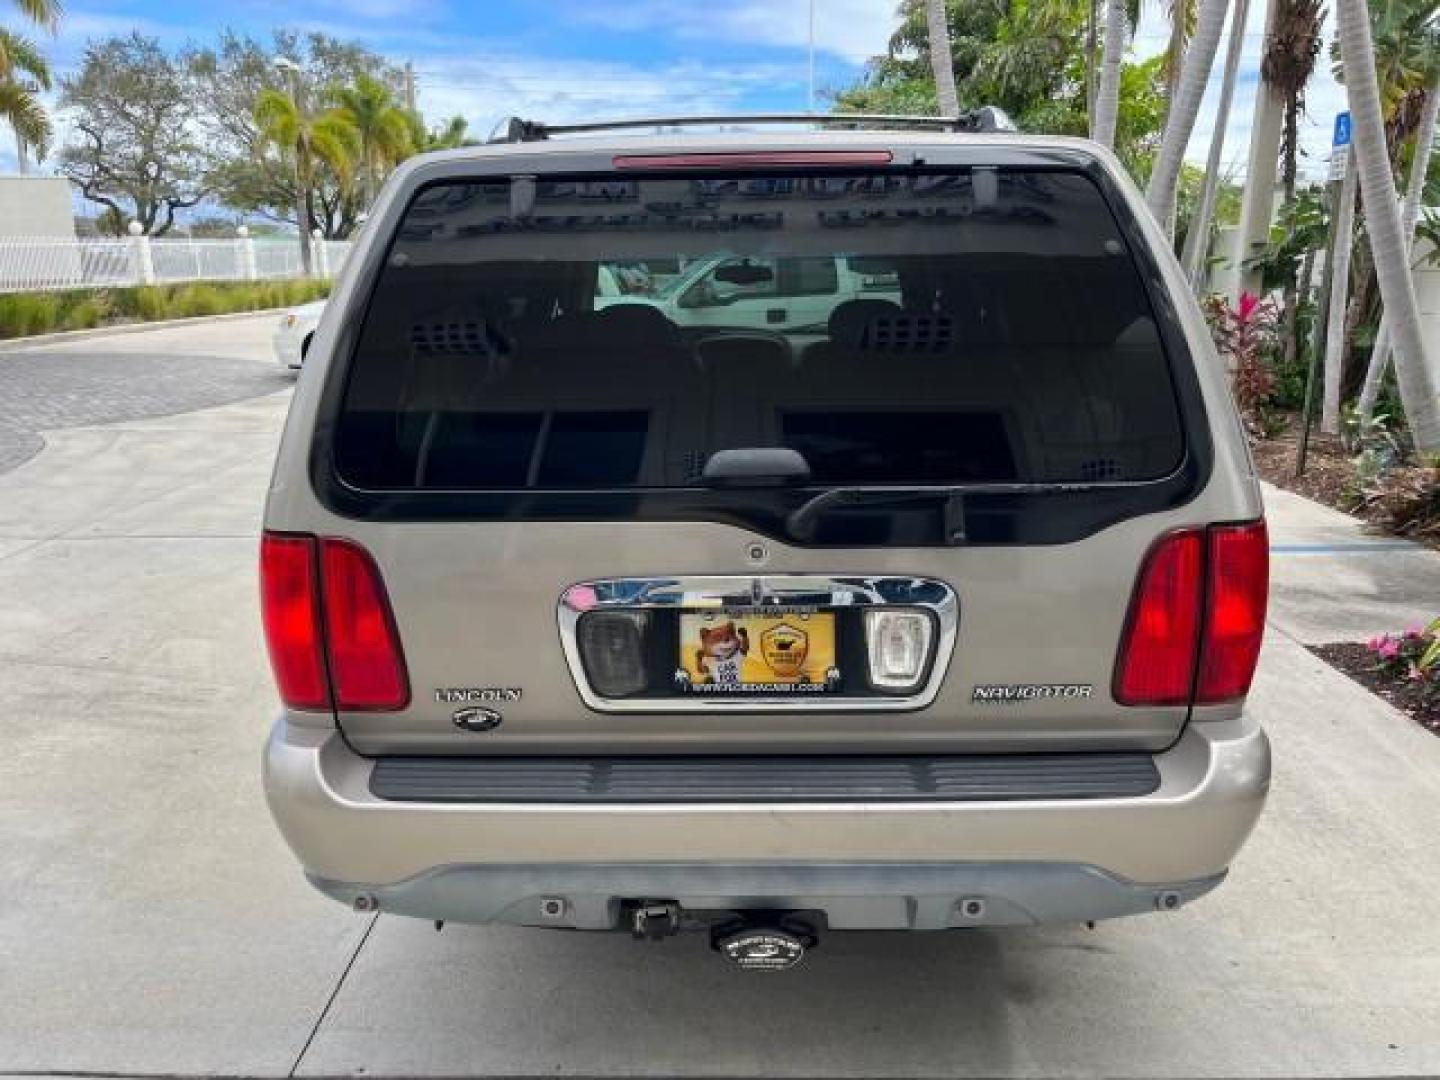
point(292, 337)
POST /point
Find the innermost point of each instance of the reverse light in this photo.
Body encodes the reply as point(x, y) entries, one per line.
point(898, 643)
point(1196, 619)
point(612, 649)
point(328, 626)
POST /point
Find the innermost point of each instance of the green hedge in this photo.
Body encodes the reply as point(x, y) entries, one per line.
point(23, 314)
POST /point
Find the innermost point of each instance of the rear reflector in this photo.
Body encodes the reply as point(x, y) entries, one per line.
point(1239, 581)
point(1157, 654)
point(750, 159)
point(329, 627)
point(1200, 600)
point(290, 610)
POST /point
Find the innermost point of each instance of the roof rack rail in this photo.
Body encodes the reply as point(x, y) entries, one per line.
point(987, 118)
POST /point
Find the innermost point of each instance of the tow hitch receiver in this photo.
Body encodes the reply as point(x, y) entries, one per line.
point(655, 921)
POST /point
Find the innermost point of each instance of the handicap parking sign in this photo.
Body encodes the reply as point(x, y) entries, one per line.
point(1342, 130)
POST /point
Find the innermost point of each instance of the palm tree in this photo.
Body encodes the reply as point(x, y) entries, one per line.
point(310, 140)
point(1419, 392)
point(1184, 107)
point(1197, 238)
point(23, 73)
point(1425, 135)
point(1182, 16)
point(450, 135)
point(1289, 60)
point(380, 124)
point(19, 106)
point(1107, 100)
point(942, 61)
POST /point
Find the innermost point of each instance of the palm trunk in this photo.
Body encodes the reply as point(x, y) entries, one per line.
point(1418, 390)
point(1258, 199)
point(1414, 195)
point(1092, 58)
point(1199, 58)
point(1197, 240)
point(1336, 338)
point(1107, 99)
point(942, 63)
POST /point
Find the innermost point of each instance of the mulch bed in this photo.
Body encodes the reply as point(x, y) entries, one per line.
point(1356, 661)
point(1329, 478)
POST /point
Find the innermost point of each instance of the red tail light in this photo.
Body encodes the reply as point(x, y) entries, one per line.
point(329, 627)
point(290, 609)
point(1239, 582)
point(1157, 655)
point(1199, 605)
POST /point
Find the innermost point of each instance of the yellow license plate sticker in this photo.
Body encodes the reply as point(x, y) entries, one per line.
point(740, 651)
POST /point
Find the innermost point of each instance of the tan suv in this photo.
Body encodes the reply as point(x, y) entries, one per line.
point(938, 612)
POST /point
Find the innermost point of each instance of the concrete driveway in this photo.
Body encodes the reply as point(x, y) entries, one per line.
point(152, 923)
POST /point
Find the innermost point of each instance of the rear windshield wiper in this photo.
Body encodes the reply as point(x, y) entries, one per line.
point(801, 521)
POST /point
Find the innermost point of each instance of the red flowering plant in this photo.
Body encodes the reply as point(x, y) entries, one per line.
point(1246, 336)
point(1414, 658)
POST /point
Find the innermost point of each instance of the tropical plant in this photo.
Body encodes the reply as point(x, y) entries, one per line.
point(1414, 375)
point(23, 74)
point(1106, 114)
point(942, 63)
point(1164, 183)
point(307, 140)
point(381, 127)
point(1245, 337)
point(1425, 135)
point(1291, 51)
point(454, 133)
point(1197, 235)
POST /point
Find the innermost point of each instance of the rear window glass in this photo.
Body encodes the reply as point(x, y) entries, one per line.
point(572, 334)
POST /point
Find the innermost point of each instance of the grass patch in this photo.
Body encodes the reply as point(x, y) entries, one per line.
point(24, 314)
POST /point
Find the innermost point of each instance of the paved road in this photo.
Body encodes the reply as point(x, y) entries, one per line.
point(151, 921)
point(130, 376)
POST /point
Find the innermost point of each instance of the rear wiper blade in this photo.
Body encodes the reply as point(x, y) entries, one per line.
point(801, 521)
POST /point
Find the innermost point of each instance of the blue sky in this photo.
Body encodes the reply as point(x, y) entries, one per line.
point(487, 59)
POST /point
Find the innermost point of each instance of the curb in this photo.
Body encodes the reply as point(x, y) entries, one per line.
point(62, 336)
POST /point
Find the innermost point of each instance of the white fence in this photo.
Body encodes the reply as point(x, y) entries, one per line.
point(47, 263)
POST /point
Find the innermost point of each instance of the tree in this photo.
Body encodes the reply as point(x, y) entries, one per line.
point(1419, 392)
point(23, 73)
point(1425, 135)
point(1164, 183)
point(382, 127)
point(1197, 236)
point(1107, 98)
point(247, 174)
point(450, 135)
point(941, 61)
point(305, 140)
point(135, 147)
point(1288, 62)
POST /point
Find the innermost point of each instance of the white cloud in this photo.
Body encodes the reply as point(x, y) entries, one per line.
point(854, 30)
point(486, 88)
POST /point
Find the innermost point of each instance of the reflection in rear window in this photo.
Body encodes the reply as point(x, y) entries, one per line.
point(590, 335)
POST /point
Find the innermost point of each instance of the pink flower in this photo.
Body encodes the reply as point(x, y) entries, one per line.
point(1389, 650)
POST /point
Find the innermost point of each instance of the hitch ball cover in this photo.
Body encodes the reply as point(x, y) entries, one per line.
point(762, 949)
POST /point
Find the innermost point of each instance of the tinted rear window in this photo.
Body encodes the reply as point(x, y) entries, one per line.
point(613, 334)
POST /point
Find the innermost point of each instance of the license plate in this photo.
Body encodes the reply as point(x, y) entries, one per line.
point(744, 651)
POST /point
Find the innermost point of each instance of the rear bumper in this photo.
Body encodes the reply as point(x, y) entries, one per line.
point(866, 864)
